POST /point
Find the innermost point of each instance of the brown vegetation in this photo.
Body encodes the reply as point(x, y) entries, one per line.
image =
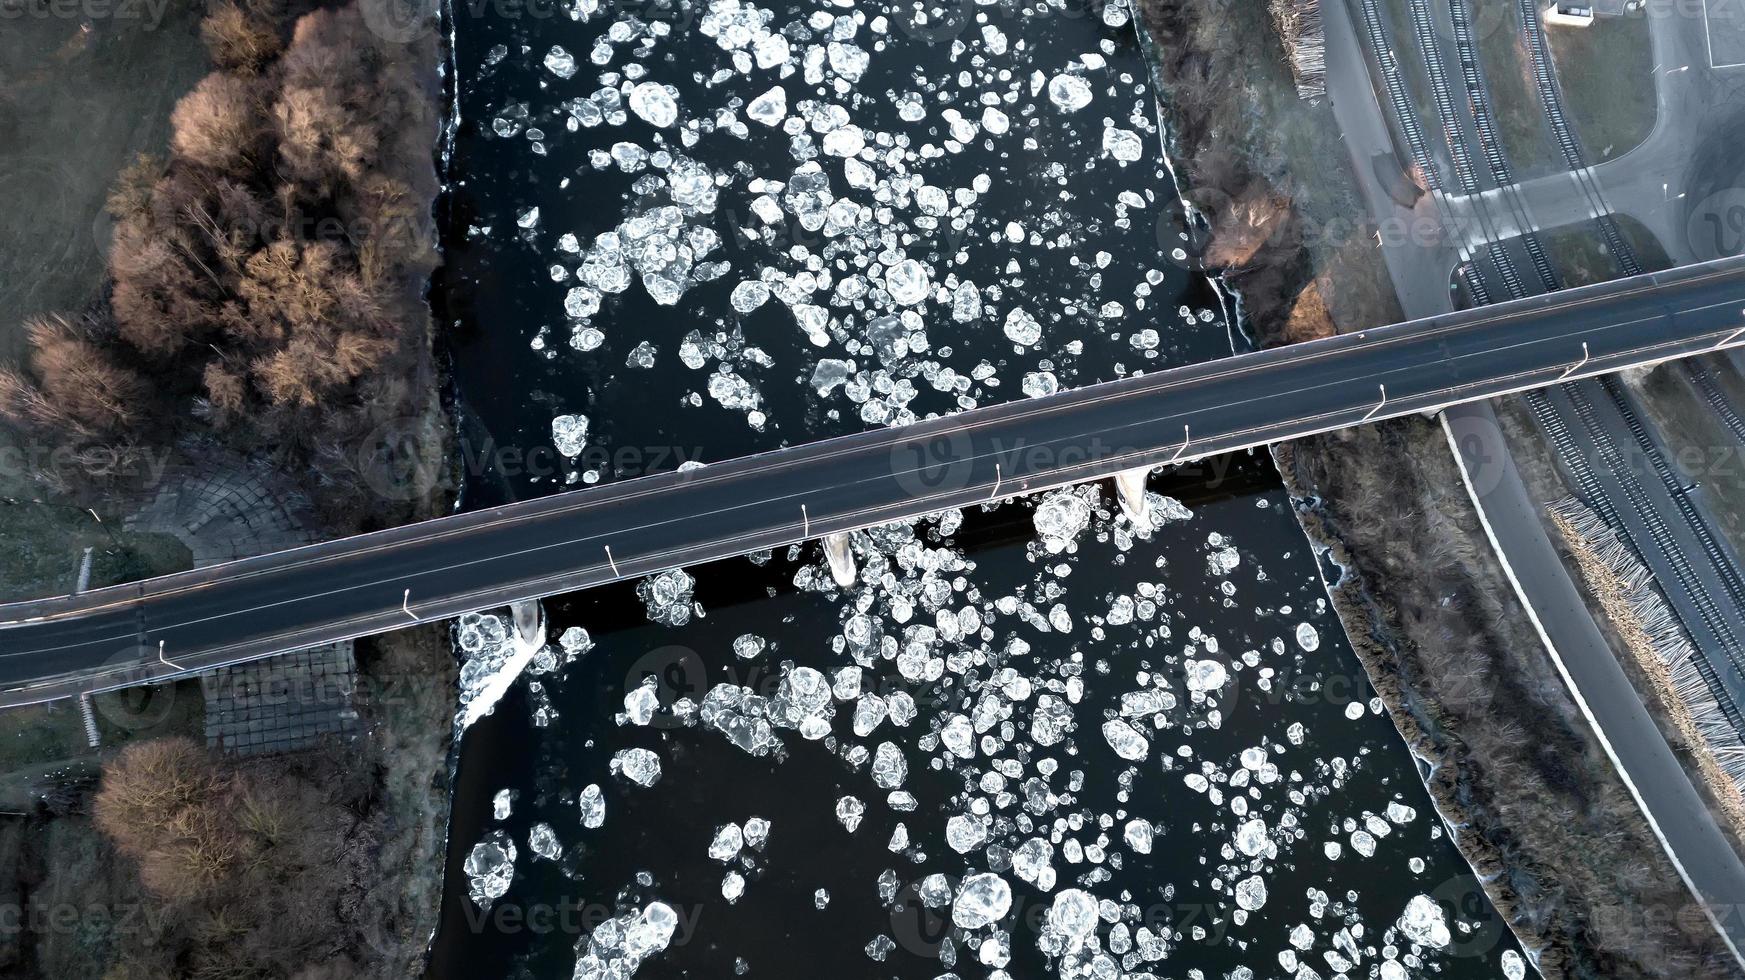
point(1620, 601)
point(1266, 170)
point(1536, 806)
point(268, 277)
point(251, 863)
point(239, 39)
point(265, 291)
point(324, 864)
point(80, 387)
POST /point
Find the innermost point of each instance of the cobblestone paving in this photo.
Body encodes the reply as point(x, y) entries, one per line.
point(283, 703)
point(222, 514)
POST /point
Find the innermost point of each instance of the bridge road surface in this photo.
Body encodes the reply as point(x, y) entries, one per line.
point(357, 586)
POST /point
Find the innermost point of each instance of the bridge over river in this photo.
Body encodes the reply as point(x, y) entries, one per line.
point(371, 583)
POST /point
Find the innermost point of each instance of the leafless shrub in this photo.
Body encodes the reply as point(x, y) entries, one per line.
point(239, 40)
point(150, 788)
point(218, 124)
point(248, 859)
point(131, 195)
point(268, 276)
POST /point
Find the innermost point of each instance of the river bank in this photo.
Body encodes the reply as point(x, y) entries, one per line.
point(1281, 220)
point(1537, 809)
point(267, 273)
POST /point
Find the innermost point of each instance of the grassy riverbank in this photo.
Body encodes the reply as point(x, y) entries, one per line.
point(1565, 854)
point(1266, 171)
point(261, 302)
point(1538, 809)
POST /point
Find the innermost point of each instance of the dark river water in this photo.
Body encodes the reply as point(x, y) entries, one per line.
point(935, 214)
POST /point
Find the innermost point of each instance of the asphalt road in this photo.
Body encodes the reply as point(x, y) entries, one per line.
point(1420, 254)
point(1654, 775)
point(440, 569)
point(1693, 103)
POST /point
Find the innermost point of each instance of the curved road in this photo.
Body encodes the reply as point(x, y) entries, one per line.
point(1676, 812)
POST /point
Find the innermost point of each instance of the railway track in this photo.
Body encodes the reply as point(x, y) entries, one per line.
point(1551, 97)
point(1578, 455)
point(1396, 91)
point(1580, 468)
point(1716, 397)
point(1490, 144)
point(1708, 610)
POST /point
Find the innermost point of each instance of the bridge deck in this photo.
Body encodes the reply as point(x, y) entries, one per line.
point(356, 586)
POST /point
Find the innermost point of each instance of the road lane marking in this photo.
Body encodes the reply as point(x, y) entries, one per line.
point(367, 624)
point(1058, 479)
point(1566, 303)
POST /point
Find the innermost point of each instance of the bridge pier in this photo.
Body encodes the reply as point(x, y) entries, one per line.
point(1130, 485)
point(529, 617)
point(840, 558)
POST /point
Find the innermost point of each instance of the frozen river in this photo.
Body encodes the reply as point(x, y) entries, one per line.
point(1034, 740)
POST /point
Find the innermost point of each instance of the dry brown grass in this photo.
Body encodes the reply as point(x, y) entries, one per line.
point(1615, 597)
point(1535, 804)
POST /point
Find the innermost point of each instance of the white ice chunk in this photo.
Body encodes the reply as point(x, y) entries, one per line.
point(654, 104)
point(983, 900)
point(1069, 93)
point(1423, 922)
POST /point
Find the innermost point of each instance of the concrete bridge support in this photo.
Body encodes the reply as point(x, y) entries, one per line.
point(1130, 484)
point(529, 617)
point(840, 558)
